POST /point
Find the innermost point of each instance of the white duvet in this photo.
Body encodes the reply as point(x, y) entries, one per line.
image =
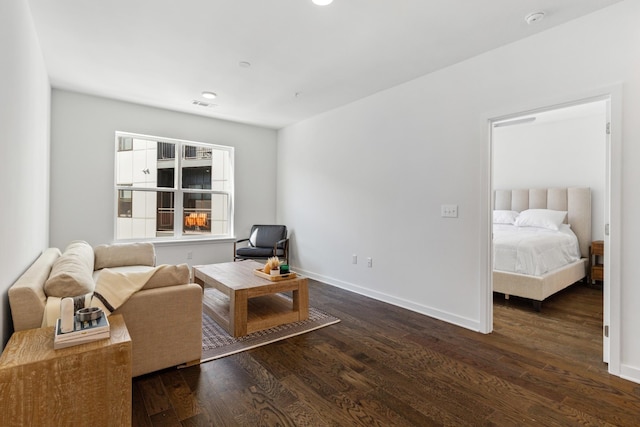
point(531, 250)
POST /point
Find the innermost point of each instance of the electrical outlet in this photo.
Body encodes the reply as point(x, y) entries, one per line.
point(190, 255)
point(449, 211)
point(354, 259)
point(369, 262)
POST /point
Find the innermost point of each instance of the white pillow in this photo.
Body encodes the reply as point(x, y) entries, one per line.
point(504, 217)
point(544, 218)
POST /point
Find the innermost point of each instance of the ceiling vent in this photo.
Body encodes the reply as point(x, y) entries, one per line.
point(203, 104)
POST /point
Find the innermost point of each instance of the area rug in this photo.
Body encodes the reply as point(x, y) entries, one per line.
point(217, 343)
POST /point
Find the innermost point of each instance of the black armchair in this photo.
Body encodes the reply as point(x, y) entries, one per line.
point(265, 241)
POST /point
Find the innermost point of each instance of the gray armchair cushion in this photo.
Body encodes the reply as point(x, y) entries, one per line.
point(265, 241)
point(266, 236)
point(249, 252)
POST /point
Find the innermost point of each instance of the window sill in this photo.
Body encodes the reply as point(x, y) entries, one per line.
point(184, 241)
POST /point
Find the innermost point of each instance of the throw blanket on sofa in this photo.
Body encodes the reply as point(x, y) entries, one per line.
point(113, 288)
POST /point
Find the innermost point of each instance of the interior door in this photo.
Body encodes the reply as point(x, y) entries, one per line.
point(606, 284)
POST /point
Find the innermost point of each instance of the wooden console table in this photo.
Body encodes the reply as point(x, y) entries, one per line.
point(87, 384)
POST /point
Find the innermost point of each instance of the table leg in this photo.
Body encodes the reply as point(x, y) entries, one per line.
point(301, 301)
point(238, 308)
point(199, 282)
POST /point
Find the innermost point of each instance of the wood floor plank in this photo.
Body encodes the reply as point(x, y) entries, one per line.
point(214, 411)
point(428, 393)
point(266, 412)
point(262, 379)
point(139, 415)
point(154, 395)
point(166, 418)
point(383, 365)
point(326, 412)
point(179, 395)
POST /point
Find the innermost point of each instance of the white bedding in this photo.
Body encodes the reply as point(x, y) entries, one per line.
point(531, 250)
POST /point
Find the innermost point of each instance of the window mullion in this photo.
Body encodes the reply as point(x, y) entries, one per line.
point(178, 199)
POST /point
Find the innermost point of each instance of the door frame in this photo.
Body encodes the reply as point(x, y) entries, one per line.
point(613, 191)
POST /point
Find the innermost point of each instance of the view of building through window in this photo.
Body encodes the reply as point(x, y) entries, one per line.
point(161, 194)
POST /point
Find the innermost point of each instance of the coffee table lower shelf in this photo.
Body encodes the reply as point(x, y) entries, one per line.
point(263, 312)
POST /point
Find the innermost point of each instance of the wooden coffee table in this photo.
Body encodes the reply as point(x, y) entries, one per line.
point(250, 303)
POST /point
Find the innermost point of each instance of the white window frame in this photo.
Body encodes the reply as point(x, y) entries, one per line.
point(177, 190)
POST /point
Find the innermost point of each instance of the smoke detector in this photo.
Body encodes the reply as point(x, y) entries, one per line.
point(203, 104)
point(534, 17)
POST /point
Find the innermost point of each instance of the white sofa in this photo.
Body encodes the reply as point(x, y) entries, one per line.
point(164, 318)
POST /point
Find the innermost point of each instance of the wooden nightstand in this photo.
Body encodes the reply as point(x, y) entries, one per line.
point(596, 262)
point(87, 384)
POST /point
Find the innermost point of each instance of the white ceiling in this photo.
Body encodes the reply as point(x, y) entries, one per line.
point(164, 53)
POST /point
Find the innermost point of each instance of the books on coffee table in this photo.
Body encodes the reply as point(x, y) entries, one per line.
point(83, 332)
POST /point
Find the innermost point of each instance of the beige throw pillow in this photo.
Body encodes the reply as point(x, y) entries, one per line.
point(122, 254)
point(169, 275)
point(71, 273)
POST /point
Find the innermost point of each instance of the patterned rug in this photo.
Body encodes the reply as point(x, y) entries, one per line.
point(217, 343)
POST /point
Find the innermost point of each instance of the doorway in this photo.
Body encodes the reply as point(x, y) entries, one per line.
point(565, 145)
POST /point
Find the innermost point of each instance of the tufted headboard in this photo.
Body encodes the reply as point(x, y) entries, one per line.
point(576, 201)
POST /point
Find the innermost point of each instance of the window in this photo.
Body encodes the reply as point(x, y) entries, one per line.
point(164, 195)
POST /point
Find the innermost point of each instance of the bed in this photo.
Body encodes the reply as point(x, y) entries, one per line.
point(537, 286)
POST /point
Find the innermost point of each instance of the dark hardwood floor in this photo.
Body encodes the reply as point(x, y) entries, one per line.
point(383, 366)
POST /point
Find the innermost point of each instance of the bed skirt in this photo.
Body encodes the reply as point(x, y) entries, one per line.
point(539, 287)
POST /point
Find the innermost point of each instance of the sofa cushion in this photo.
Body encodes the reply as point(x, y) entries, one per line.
point(165, 275)
point(71, 273)
point(123, 269)
point(123, 254)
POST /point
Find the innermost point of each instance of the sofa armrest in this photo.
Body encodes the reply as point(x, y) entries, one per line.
point(284, 245)
point(235, 244)
point(26, 296)
point(235, 247)
point(165, 325)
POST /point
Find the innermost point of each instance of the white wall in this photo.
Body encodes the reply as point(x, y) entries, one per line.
point(369, 178)
point(82, 169)
point(560, 153)
point(24, 150)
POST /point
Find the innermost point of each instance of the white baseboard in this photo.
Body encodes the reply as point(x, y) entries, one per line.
point(630, 373)
point(471, 324)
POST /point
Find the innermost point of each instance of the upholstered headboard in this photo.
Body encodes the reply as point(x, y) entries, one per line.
point(576, 201)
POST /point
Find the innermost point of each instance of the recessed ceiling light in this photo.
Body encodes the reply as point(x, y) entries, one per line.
point(322, 2)
point(534, 17)
point(208, 95)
